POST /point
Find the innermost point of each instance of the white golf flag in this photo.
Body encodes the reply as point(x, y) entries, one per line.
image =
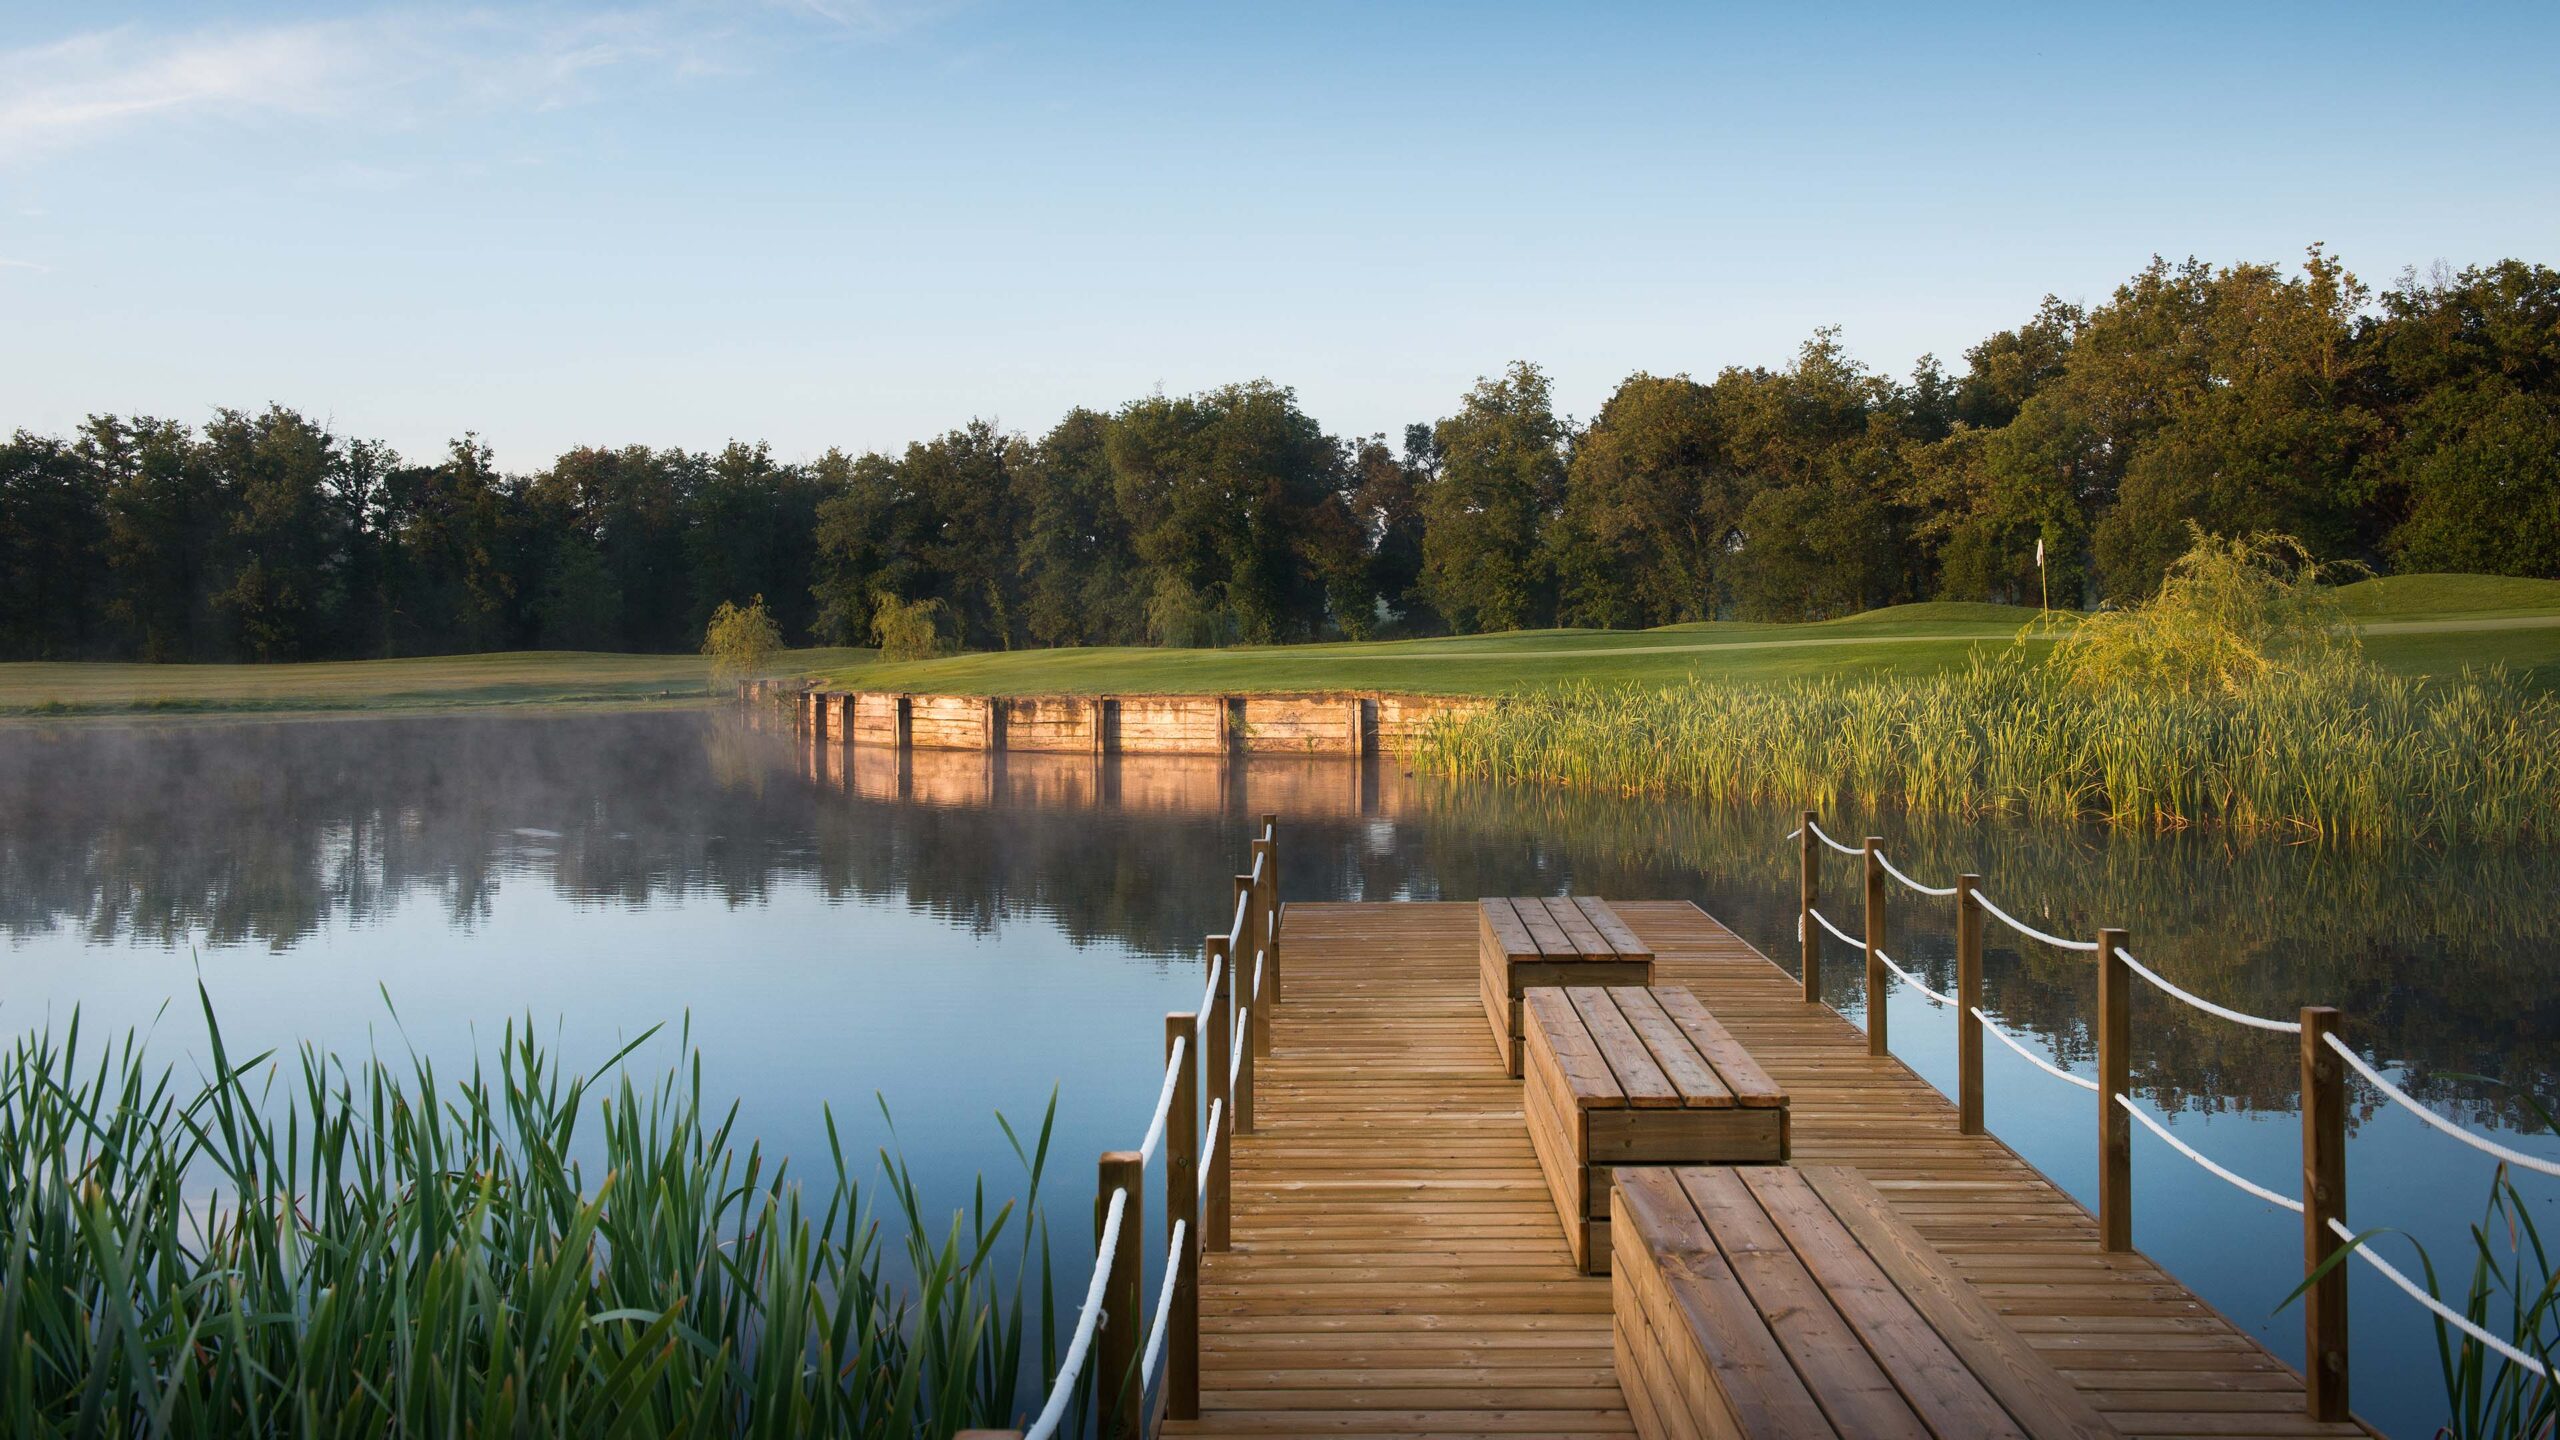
point(2039, 552)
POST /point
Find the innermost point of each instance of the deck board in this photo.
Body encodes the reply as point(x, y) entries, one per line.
point(1399, 1269)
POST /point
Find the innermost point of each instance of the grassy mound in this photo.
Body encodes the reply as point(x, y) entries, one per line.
point(2387, 596)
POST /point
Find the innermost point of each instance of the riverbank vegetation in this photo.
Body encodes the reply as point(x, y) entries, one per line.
point(357, 1251)
point(2234, 697)
point(2413, 430)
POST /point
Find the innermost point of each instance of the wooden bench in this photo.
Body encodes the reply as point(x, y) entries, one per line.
point(1636, 1076)
point(1787, 1301)
point(1568, 940)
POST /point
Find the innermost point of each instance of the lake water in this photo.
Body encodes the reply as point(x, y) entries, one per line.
point(958, 937)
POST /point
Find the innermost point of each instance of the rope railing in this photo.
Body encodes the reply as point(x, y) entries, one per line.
point(1071, 1368)
point(2236, 1017)
point(2323, 1110)
point(2031, 1057)
point(1914, 981)
point(1896, 872)
point(2198, 1156)
point(1827, 840)
point(1209, 1147)
point(1843, 936)
point(1150, 1366)
point(2443, 1312)
point(2031, 932)
point(2374, 1078)
point(1214, 1045)
point(1164, 1099)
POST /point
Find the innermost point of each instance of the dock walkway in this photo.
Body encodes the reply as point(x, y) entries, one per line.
point(1398, 1268)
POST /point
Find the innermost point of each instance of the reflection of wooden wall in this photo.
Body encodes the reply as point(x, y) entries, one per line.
point(1312, 788)
point(1327, 724)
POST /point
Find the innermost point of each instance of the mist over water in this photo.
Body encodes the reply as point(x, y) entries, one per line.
point(958, 934)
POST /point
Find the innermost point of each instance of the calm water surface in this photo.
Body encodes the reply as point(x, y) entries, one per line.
point(957, 938)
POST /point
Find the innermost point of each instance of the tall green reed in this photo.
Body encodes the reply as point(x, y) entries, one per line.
point(2341, 750)
point(328, 1250)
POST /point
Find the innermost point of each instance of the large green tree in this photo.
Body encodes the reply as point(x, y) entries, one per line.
point(1499, 484)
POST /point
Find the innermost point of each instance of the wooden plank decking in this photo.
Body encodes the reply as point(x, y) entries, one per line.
point(1398, 1267)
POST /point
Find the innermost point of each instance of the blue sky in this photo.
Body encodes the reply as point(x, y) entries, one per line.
point(857, 222)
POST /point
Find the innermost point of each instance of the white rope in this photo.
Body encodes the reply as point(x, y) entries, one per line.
point(2513, 1157)
point(1208, 1000)
point(2032, 1058)
point(1164, 1309)
point(1235, 927)
point(2023, 928)
point(2183, 1148)
point(1208, 1152)
point(1256, 992)
point(1845, 937)
point(1164, 1100)
point(1064, 1388)
point(2442, 1311)
point(1834, 844)
point(1235, 1061)
point(1891, 869)
point(2236, 1017)
point(1913, 980)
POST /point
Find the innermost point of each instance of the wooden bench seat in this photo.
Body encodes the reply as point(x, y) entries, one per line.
point(1564, 940)
point(1791, 1301)
point(1636, 1076)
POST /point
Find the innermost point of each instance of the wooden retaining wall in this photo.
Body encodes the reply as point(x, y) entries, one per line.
point(1346, 724)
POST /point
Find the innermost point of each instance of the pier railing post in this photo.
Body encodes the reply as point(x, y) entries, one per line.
point(1810, 894)
point(1182, 1207)
point(2324, 1198)
point(2115, 1067)
point(1270, 848)
point(1968, 1000)
point(1122, 1399)
point(1248, 1003)
point(1213, 1059)
point(1878, 1041)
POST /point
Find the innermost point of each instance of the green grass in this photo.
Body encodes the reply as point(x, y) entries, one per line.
point(2412, 625)
point(516, 679)
point(2405, 631)
point(359, 1251)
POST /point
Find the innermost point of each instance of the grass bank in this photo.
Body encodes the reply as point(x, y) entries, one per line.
point(2411, 625)
point(513, 680)
point(373, 1252)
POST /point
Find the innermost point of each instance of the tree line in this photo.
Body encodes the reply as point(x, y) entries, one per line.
point(2414, 429)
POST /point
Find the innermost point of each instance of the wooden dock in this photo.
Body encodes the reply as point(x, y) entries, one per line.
point(1398, 1267)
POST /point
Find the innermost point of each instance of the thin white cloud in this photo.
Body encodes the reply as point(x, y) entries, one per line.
point(8, 264)
point(393, 67)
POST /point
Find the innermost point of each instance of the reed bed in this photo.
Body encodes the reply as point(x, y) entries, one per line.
point(2340, 750)
point(320, 1250)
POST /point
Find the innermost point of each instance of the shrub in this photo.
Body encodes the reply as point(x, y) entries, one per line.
point(741, 642)
point(911, 629)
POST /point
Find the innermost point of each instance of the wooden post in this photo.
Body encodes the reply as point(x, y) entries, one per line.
point(1182, 1207)
point(1124, 1318)
point(1968, 1000)
point(1878, 1042)
point(1809, 932)
point(1213, 1055)
point(2324, 1198)
point(2115, 1071)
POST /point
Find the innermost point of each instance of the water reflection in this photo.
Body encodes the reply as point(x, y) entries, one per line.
point(264, 834)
